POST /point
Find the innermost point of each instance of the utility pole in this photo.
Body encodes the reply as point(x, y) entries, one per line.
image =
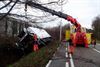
point(60, 31)
point(61, 24)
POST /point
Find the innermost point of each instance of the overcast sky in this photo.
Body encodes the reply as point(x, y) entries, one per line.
point(83, 10)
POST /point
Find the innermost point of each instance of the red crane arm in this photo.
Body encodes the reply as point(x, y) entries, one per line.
point(73, 21)
point(53, 12)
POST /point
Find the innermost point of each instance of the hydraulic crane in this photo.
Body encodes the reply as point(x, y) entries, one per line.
point(53, 12)
point(79, 34)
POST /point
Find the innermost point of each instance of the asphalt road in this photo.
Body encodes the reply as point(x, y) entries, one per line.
point(82, 57)
point(87, 57)
point(61, 58)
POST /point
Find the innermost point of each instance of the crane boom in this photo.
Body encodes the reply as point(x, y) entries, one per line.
point(53, 12)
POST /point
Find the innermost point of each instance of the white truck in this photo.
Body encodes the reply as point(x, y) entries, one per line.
point(26, 39)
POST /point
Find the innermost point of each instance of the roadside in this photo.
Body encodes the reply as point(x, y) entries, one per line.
point(59, 58)
point(37, 59)
point(9, 57)
point(98, 41)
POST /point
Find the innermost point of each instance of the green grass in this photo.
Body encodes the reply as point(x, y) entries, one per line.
point(98, 41)
point(37, 59)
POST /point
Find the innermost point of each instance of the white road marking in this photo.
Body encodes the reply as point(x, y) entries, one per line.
point(67, 64)
point(49, 63)
point(71, 60)
point(96, 50)
point(66, 55)
point(66, 49)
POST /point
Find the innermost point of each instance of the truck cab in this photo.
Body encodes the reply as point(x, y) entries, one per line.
point(78, 38)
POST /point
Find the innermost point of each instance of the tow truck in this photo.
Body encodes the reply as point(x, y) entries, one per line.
point(79, 38)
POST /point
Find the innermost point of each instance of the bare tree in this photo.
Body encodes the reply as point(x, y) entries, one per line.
point(96, 27)
point(49, 3)
point(36, 16)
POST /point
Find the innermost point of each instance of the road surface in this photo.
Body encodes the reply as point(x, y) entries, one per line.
point(87, 57)
point(82, 57)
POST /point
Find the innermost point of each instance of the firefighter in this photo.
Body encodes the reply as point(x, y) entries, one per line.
point(71, 45)
point(35, 44)
point(94, 42)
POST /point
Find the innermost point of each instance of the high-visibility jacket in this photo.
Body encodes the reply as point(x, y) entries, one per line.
point(35, 37)
point(80, 38)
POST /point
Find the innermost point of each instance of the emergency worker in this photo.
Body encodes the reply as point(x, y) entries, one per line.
point(35, 44)
point(71, 44)
point(80, 38)
point(94, 42)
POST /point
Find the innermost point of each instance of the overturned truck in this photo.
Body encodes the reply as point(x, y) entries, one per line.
point(26, 39)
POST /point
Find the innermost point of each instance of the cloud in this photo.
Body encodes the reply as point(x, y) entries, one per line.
point(83, 10)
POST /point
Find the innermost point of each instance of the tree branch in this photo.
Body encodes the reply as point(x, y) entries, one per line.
point(6, 5)
point(9, 10)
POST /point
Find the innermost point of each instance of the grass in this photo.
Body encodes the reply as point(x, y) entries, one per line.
point(98, 41)
point(37, 59)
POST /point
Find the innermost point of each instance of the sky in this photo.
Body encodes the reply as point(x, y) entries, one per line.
point(84, 11)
